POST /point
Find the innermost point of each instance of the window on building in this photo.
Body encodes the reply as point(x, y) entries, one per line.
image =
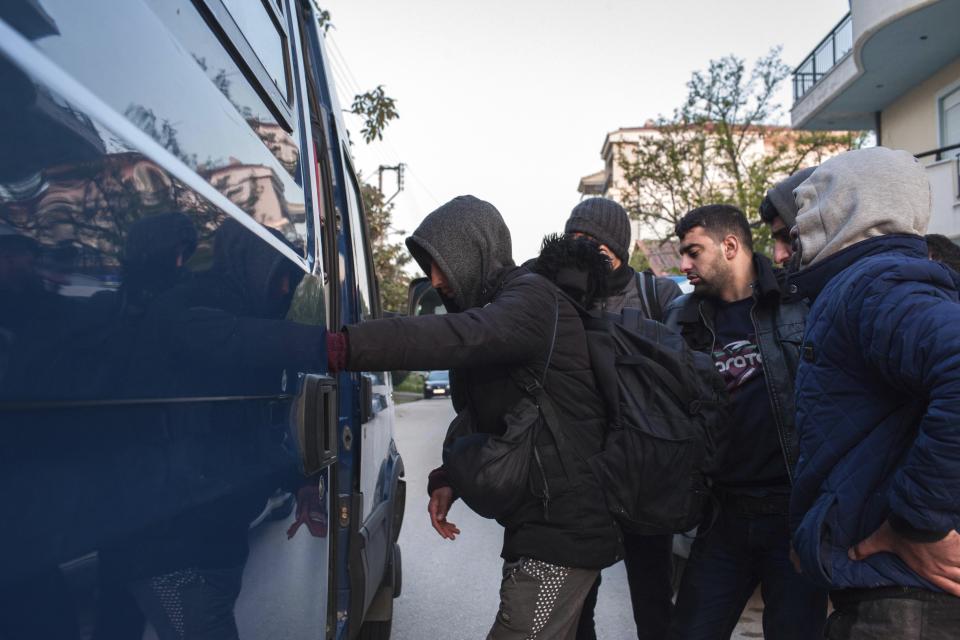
point(950, 118)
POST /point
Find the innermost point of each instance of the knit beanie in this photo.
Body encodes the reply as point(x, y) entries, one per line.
point(605, 221)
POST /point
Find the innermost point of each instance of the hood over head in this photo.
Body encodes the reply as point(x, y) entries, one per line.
point(470, 242)
point(781, 200)
point(859, 195)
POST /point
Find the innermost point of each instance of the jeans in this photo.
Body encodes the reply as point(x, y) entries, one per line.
point(540, 600)
point(727, 563)
point(649, 564)
point(902, 613)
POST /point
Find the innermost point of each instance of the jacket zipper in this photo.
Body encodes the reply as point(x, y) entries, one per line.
point(778, 419)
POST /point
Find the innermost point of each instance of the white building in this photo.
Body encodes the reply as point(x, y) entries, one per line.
point(893, 66)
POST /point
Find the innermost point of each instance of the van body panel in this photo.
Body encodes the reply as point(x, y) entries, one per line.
point(165, 284)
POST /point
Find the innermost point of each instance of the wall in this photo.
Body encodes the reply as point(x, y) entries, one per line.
point(911, 122)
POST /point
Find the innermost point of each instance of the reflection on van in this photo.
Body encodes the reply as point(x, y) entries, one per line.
point(172, 446)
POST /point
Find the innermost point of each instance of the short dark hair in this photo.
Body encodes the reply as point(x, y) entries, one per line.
point(719, 221)
point(944, 250)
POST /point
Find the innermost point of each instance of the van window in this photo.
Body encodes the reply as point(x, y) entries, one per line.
point(263, 33)
point(358, 232)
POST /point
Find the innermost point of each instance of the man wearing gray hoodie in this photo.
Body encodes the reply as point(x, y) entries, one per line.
point(876, 501)
point(779, 210)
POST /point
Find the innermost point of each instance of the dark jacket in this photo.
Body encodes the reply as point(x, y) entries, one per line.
point(507, 324)
point(778, 324)
point(574, 265)
point(878, 399)
point(627, 295)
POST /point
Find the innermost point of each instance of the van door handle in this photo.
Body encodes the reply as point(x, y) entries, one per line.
point(371, 402)
point(317, 424)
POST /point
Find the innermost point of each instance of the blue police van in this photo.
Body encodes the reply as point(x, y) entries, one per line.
point(179, 223)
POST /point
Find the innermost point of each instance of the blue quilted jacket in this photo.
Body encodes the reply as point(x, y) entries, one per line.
point(878, 408)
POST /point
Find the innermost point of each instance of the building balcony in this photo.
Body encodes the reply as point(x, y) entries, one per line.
point(826, 55)
point(872, 57)
point(943, 171)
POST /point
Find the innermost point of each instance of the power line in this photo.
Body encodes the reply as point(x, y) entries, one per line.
point(423, 185)
point(346, 66)
point(348, 80)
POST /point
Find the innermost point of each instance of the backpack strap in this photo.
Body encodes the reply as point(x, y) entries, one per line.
point(647, 286)
point(525, 379)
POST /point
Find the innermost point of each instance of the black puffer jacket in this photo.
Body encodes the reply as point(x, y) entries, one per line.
point(508, 323)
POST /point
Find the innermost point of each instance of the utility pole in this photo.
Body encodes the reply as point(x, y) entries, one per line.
point(398, 168)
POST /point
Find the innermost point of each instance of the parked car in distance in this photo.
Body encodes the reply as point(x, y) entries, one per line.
point(437, 383)
point(685, 286)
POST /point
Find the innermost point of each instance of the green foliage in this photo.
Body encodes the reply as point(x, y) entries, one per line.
point(762, 240)
point(377, 110)
point(389, 258)
point(718, 147)
point(375, 107)
point(323, 19)
point(412, 383)
point(639, 261)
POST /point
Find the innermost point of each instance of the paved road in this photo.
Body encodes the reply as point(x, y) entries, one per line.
point(451, 589)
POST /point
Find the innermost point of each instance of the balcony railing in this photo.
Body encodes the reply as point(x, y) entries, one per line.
point(939, 154)
point(825, 57)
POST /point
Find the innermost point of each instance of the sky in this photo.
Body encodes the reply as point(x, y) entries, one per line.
point(510, 100)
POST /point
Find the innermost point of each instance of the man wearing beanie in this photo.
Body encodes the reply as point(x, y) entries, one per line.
point(607, 223)
point(647, 558)
point(779, 210)
point(876, 502)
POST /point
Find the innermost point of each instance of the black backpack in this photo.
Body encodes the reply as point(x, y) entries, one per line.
point(667, 413)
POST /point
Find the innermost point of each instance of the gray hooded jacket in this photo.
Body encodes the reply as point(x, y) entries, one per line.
point(859, 195)
point(470, 242)
point(781, 195)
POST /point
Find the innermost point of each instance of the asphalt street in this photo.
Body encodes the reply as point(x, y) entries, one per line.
point(451, 588)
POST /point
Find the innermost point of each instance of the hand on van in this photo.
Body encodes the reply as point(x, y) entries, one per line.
point(336, 351)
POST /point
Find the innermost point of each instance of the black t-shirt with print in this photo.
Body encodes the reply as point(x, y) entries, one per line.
point(754, 462)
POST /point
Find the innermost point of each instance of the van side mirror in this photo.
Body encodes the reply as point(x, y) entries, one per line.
point(423, 299)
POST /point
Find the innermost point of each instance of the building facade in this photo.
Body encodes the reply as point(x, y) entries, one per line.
point(893, 66)
point(654, 238)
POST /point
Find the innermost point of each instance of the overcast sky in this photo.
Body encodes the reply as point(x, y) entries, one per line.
point(510, 101)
